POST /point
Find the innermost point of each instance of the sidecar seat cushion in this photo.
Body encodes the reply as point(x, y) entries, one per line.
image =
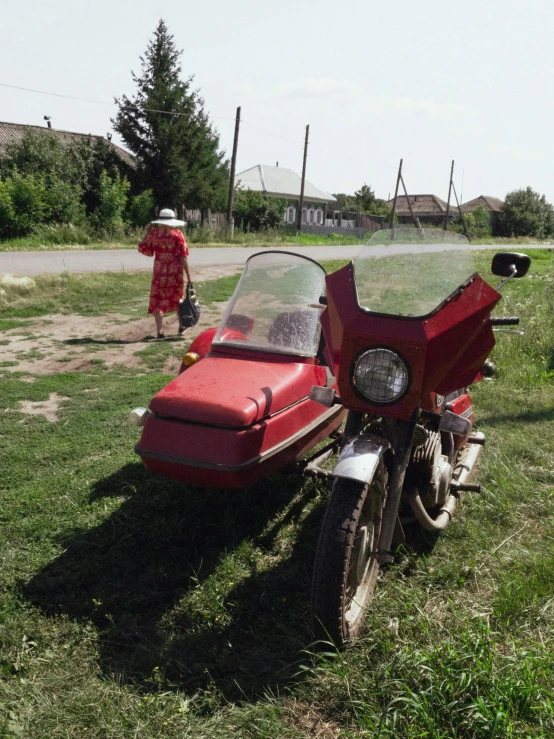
point(294, 330)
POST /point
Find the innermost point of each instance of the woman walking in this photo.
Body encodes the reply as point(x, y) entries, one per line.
point(167, 245)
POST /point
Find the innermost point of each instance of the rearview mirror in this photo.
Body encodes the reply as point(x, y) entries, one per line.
point(510, 264)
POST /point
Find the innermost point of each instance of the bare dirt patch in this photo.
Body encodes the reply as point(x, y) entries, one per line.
point(47, 408)
point(310, 722)
point(76, 343)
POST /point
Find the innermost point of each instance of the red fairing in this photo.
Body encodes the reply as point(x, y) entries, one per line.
point(444, 351)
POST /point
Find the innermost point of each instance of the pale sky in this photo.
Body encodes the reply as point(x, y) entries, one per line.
point(429, 81)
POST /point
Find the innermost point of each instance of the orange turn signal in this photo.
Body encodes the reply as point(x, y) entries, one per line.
point(190, 358)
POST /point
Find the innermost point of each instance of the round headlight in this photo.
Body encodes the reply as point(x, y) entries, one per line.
point(381, 376)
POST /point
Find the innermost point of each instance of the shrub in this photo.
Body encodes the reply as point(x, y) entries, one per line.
point(112, 196)
point(28, 198)
point(254, 211)
point(6, 210)
point(478, 222)
point(63, 202)
point(141, 208)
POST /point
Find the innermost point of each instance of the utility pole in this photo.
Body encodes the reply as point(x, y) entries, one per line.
point(301, 201)
point(395, 196)
point(466, 229)
point(230, 223)
point(448, 201)
point(414, 217)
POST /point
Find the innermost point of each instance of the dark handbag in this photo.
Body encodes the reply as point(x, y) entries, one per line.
point(189, 308)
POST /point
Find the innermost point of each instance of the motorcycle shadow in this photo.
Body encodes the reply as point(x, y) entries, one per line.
point(135, 575)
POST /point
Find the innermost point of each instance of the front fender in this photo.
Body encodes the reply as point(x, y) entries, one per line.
point(359, 458)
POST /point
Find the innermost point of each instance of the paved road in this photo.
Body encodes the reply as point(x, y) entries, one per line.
point(115, 260)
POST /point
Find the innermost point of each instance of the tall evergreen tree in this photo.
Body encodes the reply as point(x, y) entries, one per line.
point(166, 127)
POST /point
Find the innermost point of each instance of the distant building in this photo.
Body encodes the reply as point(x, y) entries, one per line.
point(493, 206)
point(428, 209)
point(283, 183)
point(11, 133)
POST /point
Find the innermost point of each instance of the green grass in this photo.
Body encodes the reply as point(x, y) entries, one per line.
point(92, 294)
point(132, 606)
point(59, 238)
point(63, 238)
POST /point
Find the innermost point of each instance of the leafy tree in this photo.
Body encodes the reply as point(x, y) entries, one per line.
point(71, 173)
point(58, 167)
point(526, 213)
point(98, 158)
point(254, 211)
point(363, 201)
point(42, 153)
point(166, 127)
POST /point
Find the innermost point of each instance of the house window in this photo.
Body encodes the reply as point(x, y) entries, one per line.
point(319, 214)
point(291, 215)
point(304, 215)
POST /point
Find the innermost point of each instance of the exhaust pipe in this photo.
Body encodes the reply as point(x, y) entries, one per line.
point(462, 471)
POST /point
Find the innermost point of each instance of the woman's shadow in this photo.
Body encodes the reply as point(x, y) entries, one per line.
point(156, 580)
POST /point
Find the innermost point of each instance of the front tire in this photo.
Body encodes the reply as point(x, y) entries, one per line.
point(346, 569)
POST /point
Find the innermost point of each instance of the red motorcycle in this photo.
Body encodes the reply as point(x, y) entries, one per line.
point(406, 328)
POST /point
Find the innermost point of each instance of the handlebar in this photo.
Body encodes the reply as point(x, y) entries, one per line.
point(505, 321)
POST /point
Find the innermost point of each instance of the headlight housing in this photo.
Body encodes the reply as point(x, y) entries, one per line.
point(381, 376)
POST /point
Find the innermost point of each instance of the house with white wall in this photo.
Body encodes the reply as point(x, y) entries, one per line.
point(283, 183)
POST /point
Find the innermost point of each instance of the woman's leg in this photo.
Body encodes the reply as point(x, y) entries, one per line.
point(159, 318)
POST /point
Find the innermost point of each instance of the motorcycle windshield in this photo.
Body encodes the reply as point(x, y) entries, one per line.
point(411, 272)
point(275, 306)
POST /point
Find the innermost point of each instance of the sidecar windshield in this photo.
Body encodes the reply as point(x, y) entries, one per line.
point(275, 306)
point(410, 272)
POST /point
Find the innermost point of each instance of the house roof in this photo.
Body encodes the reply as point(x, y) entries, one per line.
point(490, 204)
point(280, 182)
point(14, 132)
point(422, 205)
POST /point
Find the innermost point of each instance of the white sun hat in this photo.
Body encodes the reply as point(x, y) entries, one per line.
point(166, 217)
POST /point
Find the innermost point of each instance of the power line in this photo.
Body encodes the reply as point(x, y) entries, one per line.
point(98, 102)
point(149, 110)
point(55, 94)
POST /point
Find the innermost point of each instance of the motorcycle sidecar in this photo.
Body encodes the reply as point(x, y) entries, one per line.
point(243, 411)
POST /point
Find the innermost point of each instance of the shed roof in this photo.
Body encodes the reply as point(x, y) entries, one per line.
point(280, 182)
point(13, 132)
point(422, 205)
point(490, 204)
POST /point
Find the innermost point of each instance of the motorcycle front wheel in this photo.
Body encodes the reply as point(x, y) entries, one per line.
point(346, 569)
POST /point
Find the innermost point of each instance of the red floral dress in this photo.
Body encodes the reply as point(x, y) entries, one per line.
point(168, 284)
